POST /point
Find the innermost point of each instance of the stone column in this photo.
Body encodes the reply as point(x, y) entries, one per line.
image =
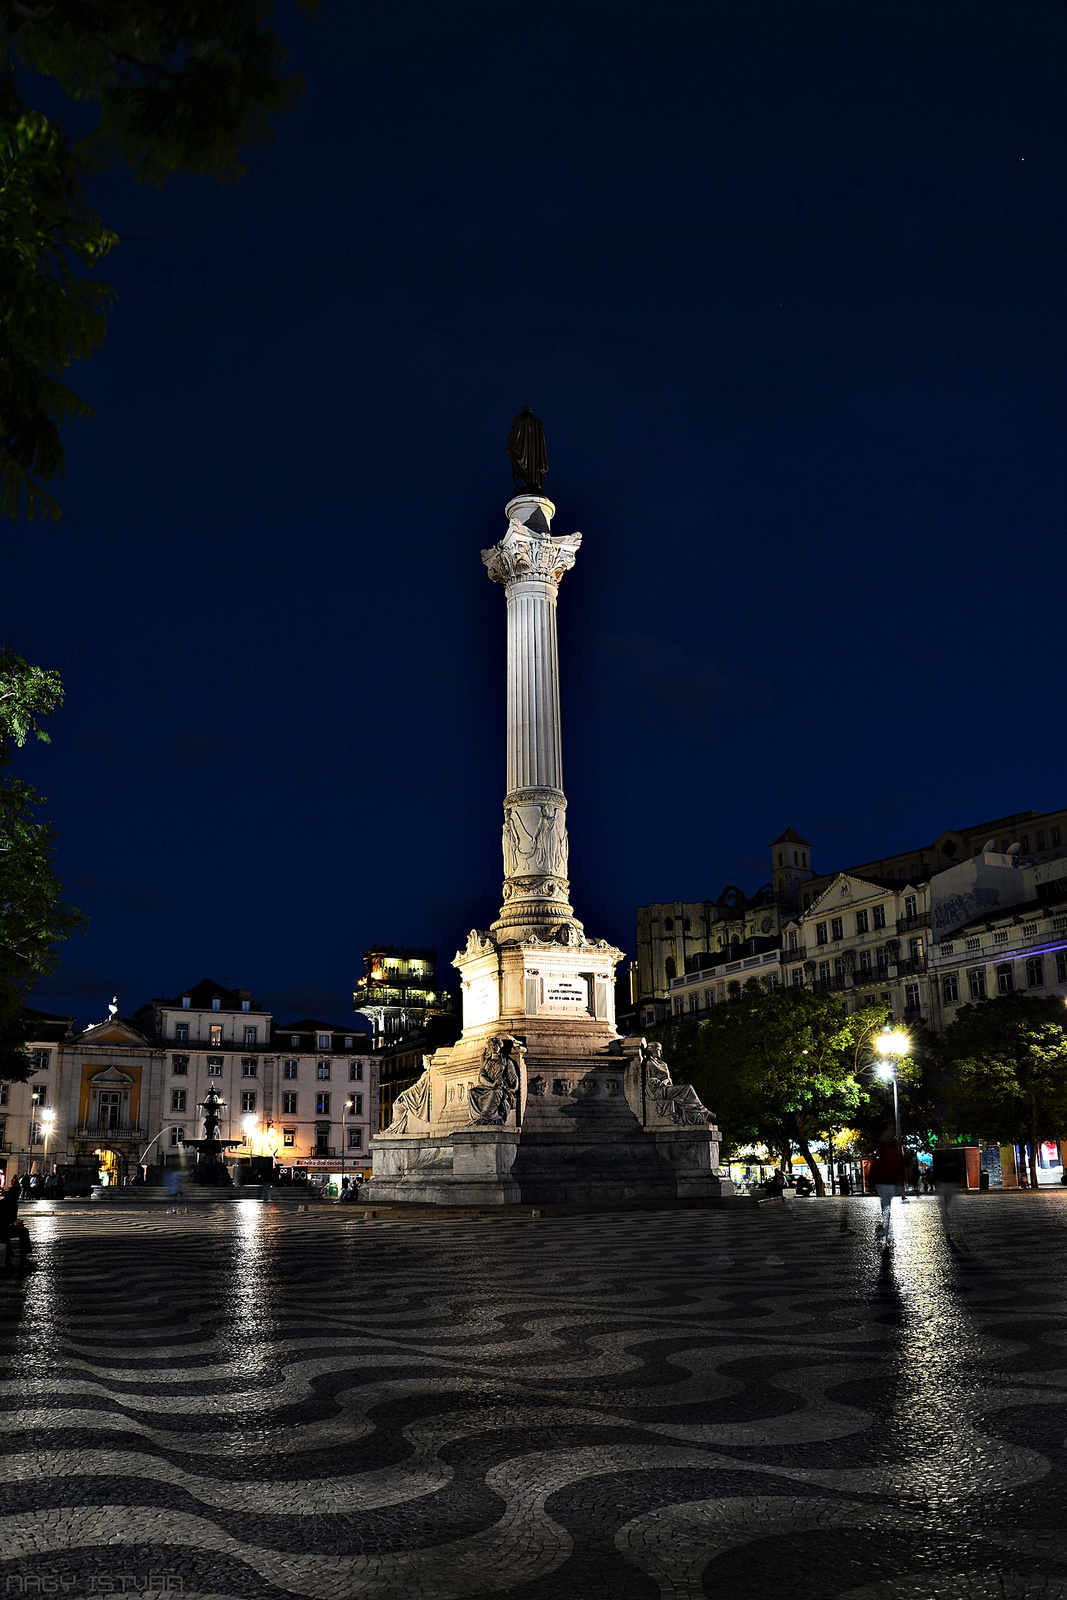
point(529, 562)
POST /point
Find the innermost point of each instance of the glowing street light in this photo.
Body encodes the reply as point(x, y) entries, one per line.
point(47, 1119)
point(890, 1046)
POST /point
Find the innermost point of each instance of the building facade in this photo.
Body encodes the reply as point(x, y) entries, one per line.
point(125, 1093)
point(398, 993)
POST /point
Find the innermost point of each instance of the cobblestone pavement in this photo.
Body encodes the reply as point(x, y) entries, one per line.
point(249, 1402)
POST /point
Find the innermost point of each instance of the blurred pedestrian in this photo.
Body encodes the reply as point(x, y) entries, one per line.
point(12, 1228)
point(887, 1175)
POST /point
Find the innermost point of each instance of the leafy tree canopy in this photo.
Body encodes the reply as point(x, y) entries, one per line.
point(178, 86)
point(33, 917)
point(780, 1066)
point(1006, 1067)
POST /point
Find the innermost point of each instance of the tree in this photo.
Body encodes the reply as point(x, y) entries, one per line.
point(33, 918)
point(1006, 1060)
point(780, 1065)
point(181, 86)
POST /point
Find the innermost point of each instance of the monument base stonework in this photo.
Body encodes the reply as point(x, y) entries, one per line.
point(546, 1105)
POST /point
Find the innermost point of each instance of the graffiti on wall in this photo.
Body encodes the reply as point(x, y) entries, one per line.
point(960, 908)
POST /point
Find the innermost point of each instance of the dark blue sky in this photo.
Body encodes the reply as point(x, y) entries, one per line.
point(786, 284)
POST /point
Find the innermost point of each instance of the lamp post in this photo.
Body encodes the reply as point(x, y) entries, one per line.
point(47, 1119)
point(890, 1046)
point(346, 1107)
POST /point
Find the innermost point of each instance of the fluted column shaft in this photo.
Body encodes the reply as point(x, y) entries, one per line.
point(535, 759)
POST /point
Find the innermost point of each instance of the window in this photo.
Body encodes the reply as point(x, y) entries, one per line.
point(820, 933)
point(177, 1099)
point(1035, 972)
point(248, 1100)
point(180, 1066)
point(678, 1005)
point(323, 1069)
point(862, 922)
point(3, 1094)
point(322, 1141)
point(866, 961)
point(40, 1094)
point(1029, 930)
point(186, 1001)
point(807, 901)
point(909, 905)
point(709, 1001)
point(780, 863)
point(669, 968)
point(289, 1103)
point(911, 997)
point(216, 1004)
point(976, 983)
point(355, 1138)
point(668, 924)
point(798, 977)
point(1055, 835)
point(687, 925)
point(1061, 966)
point(181, 1033)
point(248, 1067)
point(214, 1066)
point(1000, 936)
point(250, 1033)
point(796, 858)
point(288, 1137)
point(974, 944)
point(40, 1060)
point(693, 1002)
point(1005, 978)
point(357, 1105)
point(839, 966)
point(216, 1035)
point(1039, 839)
point(824, 972)
point(348, 1041)
point(837, 928)
point(246, 1005)
point(355, 1072)
point(879, 916)
point(915, 950)
point(176, 1136)
point(289, 1069)
point(324, 1041)
point(322, 1105)
point(792, 941)
point(36, 1133)
point(950, 988)
point(294, 1040)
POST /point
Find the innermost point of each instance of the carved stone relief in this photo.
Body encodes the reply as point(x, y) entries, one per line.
point(524, 552)
point(535, 835)
point(679, 1101)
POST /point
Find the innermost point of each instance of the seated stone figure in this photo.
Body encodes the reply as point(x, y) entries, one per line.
point(413, 1103)
point(679, 1101)
point(493, 1096)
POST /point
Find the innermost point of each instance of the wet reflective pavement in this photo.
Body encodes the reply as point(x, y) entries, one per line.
point(258, 1403)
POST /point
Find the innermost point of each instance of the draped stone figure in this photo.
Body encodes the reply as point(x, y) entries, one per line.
point(679, 1101)
point(526, 447)
point(413, 1103)
point(493, 1095)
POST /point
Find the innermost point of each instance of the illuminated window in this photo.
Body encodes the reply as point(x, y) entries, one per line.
point(248, 1100)
point(289, 1070)
point(355, 1072)
point(214, 1066)
point(288, 1137)
point(289, 1104)
point(216, 1034)
point(323, 1069)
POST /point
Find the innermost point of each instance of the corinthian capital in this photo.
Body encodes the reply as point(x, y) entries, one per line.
point(527, 553)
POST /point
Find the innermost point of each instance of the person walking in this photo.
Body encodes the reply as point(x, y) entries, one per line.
point(887, 1175)
point(12, 1228)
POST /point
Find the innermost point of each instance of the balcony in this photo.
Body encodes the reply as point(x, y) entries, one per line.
point(111, 1135)
point(909, 924)
point(791, 957)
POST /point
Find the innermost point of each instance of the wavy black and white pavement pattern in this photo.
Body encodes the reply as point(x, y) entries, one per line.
point(254, 1403)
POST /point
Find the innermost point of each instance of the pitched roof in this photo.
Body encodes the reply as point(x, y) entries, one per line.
point(201, 995)
point(790, 836)
point(311, 1025)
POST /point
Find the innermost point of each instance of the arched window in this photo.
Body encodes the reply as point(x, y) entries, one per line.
point(687, 925)
point(669, 968)
point(668, 924)
point(779, 858)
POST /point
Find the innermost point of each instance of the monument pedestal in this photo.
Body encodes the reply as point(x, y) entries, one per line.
point(540, 1101)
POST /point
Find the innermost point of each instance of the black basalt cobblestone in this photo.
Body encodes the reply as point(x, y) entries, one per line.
point(258, 1404)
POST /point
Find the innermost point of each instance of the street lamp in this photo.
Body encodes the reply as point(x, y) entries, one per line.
point(889, 1045)
point(47, 1119)
point(346, 1107)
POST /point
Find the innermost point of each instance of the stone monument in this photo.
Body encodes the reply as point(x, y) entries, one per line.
point(540, 1100)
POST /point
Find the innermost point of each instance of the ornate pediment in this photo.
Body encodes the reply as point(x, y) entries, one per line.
point(111, 1077)
point(113, 1033)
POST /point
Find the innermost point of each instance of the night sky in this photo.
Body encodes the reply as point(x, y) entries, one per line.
point(786, 284)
